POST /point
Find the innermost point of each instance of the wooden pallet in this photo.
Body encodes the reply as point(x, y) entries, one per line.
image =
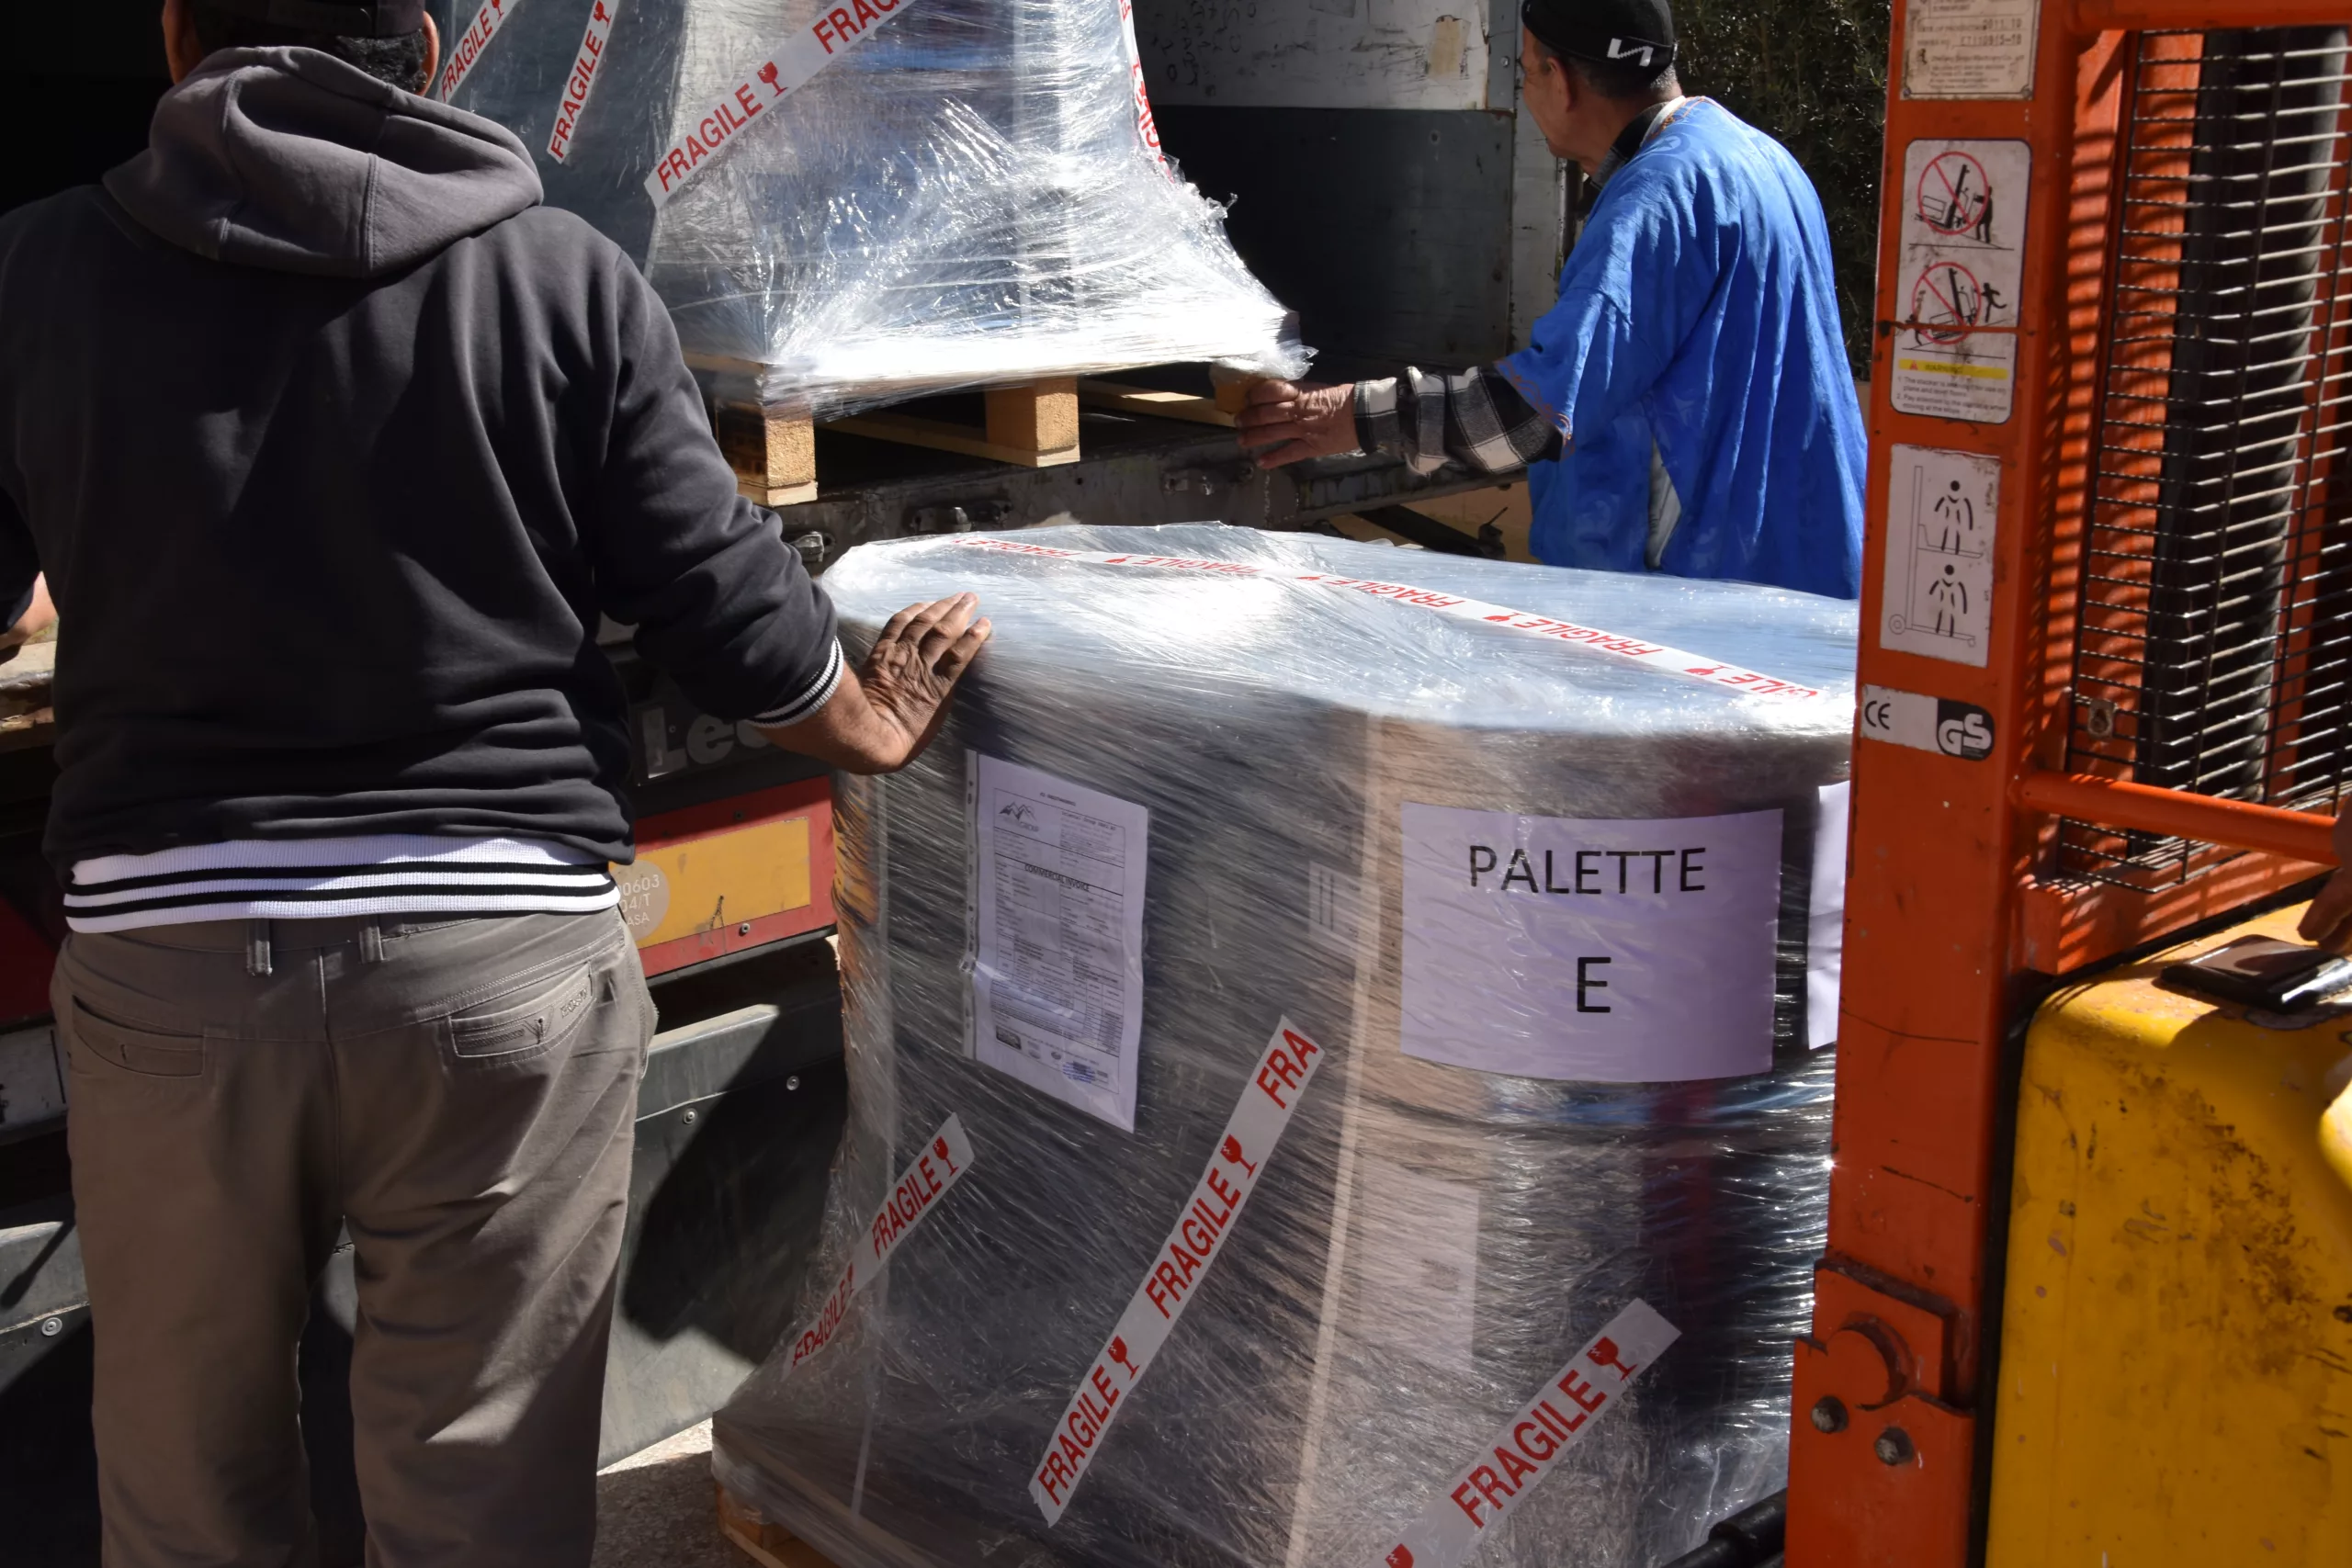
point(1033, 425)
point(771, 1546)
point(773, 453)
point(1187, 406)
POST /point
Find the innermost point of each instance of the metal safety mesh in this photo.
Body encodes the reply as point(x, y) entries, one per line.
point(2214, 645)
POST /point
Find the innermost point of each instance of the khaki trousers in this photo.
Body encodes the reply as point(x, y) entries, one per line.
point(457, 1093)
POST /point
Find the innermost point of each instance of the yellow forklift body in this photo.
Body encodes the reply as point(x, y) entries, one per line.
point(2176, 1366)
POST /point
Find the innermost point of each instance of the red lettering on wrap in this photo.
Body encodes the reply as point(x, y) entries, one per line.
point(1569, 1386)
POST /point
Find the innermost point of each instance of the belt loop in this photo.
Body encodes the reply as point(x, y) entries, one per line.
point(371, 940)
point(256, 947)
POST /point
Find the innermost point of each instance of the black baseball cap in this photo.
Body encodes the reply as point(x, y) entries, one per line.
point(1604, 29)
point(343, 18)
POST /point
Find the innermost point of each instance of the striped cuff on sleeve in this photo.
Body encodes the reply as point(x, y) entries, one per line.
point(1378, 427)
point(816, 696)
point(1474, 418)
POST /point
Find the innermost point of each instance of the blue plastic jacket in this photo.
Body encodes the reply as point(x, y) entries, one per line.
point(1698, 312)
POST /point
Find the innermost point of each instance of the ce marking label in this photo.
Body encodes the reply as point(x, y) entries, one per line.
point(1940, 725)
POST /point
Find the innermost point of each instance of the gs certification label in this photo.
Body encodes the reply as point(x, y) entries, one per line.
point(1941, 725)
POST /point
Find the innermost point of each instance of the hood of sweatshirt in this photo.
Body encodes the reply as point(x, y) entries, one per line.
point(292, 160)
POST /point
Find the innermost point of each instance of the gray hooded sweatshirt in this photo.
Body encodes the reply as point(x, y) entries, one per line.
point(333, 443)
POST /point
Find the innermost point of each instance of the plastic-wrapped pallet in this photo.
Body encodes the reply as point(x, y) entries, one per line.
point(965, 191)
point(1533, 901)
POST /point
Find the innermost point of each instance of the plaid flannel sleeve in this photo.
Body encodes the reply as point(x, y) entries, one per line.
point(1475, 418)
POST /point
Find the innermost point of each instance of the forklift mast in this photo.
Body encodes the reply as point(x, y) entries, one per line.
point(2105, 660)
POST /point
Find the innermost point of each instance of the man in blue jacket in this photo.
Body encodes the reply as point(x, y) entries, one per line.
point(1687, 406)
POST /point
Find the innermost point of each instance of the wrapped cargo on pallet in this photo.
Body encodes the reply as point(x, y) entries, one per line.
point(1514, 913)
point(959, 192)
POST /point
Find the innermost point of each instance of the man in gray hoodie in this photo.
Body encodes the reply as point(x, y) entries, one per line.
point(334, 445)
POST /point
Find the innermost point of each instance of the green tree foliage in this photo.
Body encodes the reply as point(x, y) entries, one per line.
point(1813, 74)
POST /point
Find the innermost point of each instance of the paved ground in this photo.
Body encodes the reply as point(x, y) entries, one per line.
point(656, 1509)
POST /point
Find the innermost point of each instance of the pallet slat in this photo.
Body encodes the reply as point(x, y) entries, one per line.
point(773, 454)
point(768, 1545)
point(1186, 406)
point(1040, 416)
point(1032, 427)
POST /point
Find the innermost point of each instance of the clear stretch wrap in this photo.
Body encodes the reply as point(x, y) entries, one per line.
point(1429, 1242)
point(965, 191)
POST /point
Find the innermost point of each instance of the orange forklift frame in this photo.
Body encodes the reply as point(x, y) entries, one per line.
point(1955, 908)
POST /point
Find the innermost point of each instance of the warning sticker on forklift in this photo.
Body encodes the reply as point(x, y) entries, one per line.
point(1972, 379)
point(917, 1191)
point(466, 51)
point(1963, 264)
point(833, 32)
point(1532, 1445)
point(1283, 1070)
point(1714, 672)
point(1943, 508)
point(1970, 49)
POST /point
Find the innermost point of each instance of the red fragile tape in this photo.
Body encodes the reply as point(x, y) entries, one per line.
point(834, 32)
point(1532, 1444)
point(1281, 1077)
point(465, 52)
point(585, 68)
point(1146, 128)
point(917, 1191)
point(1714, 672)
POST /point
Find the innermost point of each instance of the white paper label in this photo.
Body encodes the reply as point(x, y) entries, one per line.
point(466, 51)
point(1825, 947)
point(1941, 511)
point(1058, 935)
point(1532, 1445)
point(1284, 1069)
point(939, 1167)
point(1969, 48)
point(1607, 951)
point(1417, 1274)
point(1963, 265)
point(586, 67)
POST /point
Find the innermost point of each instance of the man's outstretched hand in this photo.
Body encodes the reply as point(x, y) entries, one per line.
point(882, 718)
point(1298, 421)
point(2328, 922)
point(37, 618)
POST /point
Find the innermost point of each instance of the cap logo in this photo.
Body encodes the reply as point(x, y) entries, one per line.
point(1621, 49)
